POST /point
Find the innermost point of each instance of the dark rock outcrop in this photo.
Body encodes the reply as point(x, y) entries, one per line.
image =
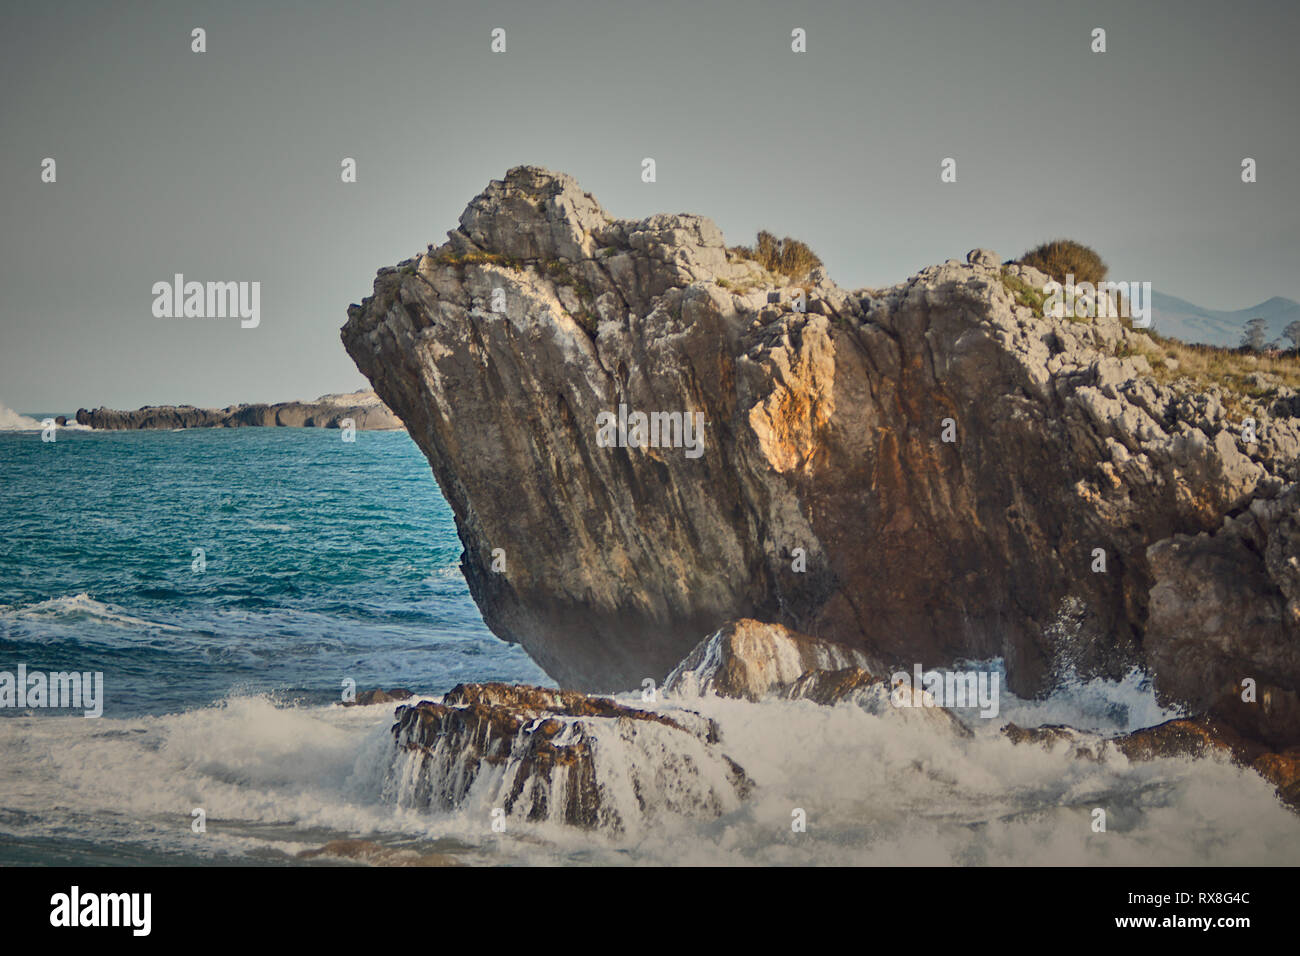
point(366, 412)
point(827, 496)
point(561, 756)
point(1223, 632)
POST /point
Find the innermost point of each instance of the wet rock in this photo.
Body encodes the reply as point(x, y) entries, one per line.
point(367, 851)
point(378, 696)
point(544, 755)
point(1283, 771)
point(1192, 738)
point(1050, 736)
point(828, 687)
point(750, 659)
point(1182, 738)
point(875, 696)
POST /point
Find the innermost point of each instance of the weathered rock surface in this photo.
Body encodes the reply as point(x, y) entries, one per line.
point(824, 442)
point(561, 756)
point(364, 408)
point(379, 696)
point(1224, 609)
point(750, 659)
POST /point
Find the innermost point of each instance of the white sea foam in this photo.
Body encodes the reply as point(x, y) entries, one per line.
point(12, 421)
point(278, 780)
point(79, 607)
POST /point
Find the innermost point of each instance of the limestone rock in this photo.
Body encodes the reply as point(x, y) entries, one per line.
point(1224, 610)
point(749, 659)
point(823, 448)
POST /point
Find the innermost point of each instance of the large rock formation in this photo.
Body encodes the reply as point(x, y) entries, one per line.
point(826, 496)
point(364, 409)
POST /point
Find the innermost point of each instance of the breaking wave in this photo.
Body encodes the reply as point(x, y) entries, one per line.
point(276, 780)
point(12, 421)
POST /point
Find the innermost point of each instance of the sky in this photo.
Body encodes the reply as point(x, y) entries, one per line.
point(225, 165)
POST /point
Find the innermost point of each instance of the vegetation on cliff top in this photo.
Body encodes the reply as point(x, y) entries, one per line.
point(1065, 257)
point(787, 257)
point(1246, 376)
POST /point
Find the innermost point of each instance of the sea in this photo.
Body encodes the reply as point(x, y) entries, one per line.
point(231, 584)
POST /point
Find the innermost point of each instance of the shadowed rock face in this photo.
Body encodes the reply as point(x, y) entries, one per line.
point(1224, 608)
point(823, 432)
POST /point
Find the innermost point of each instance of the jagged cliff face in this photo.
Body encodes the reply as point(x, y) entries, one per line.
point(823, 431)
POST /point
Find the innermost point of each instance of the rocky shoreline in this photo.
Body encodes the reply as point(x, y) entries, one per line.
point(363, 408)
point(925, 473)
point(539, 755)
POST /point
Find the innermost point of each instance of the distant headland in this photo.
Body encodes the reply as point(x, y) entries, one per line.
point(363, 408)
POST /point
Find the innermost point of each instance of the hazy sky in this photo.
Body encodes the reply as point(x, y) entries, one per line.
point(225, 165)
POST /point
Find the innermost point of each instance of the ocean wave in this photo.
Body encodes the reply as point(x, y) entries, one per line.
point(79, 607)
point(277, 779)
point(1096, 705)
point(12, 421)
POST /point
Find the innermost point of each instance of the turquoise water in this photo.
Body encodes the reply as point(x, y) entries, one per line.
point(323, 560)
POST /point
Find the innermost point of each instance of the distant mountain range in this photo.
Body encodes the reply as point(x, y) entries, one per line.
point(1182, 320)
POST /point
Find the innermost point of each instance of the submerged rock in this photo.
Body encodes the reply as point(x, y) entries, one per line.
point(375, 854)
point(560, 756)
point(923, 473)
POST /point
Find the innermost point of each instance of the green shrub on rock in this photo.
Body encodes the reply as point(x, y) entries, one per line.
point(1062, 257)
point(787, 256)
